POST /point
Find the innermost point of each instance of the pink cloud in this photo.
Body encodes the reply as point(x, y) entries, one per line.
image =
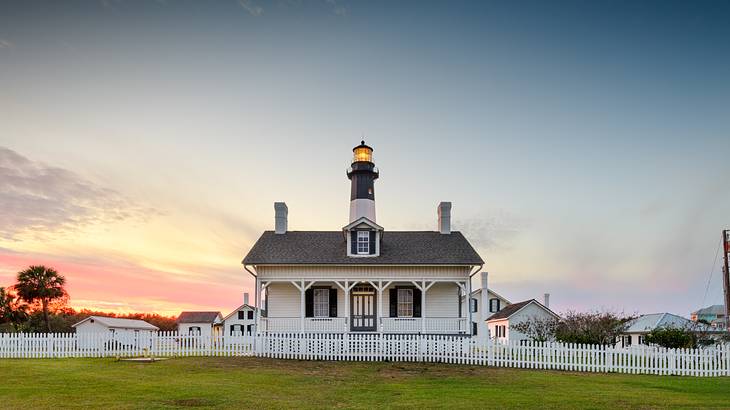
point(122, 286)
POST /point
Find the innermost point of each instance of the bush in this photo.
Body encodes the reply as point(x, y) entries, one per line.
point(672, 338)
point(601, 328)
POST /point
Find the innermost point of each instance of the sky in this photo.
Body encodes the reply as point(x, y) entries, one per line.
point(584, 145)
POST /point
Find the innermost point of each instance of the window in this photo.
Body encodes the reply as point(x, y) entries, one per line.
point(194, 330)
point(626, 341)
point(405, 302)
point(473, 305)
point(500, 331)
point(250, 314)
point(494, 305)
point(363, 242)
point(321, 302)
point(641, 340)
point(241, 314)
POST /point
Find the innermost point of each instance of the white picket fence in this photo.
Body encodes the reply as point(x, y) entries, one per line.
point(712, 361)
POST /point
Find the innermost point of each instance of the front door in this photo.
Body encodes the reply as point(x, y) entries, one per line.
point(362, 310)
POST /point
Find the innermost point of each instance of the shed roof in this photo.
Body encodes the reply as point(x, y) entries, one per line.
point(119, 323)
point(198, 317)
point(328, 248)
point(711, 310)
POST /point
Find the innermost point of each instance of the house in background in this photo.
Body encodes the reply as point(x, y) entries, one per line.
point(638, 328)
point(130, 332)
point(500, 323)
point(199, 323)
point(241, 320)
point(495, 303)
point(714, 315)
point(362, 277)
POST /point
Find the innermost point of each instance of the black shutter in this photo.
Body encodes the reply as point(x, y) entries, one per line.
point(333, 302)
point(416, 302)
point(474, 328)
point(466, 299)
point(309, 303)
point(232, 329)
point(394, 303)
point(250, 314)
point(353, 242)
point(499, 305)
point(372, 242)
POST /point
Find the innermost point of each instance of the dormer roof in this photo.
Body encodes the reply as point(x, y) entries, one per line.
point(362, 220)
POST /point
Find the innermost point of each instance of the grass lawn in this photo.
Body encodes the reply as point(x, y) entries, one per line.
point(254, 383)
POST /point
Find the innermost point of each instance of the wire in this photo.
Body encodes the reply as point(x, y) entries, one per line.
point(709, 280)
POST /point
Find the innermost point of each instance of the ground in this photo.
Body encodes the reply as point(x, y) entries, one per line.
point(254, 383)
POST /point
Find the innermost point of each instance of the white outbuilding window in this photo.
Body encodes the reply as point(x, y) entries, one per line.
point(363, 242)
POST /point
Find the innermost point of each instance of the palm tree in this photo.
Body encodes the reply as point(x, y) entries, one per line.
point(11, 310)
point(40, 284)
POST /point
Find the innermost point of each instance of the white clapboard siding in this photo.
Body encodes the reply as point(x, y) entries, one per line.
point(711, 361)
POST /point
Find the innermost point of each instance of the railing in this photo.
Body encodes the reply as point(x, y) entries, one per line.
point(712, 361)
point(431, 325)
point(311, 324)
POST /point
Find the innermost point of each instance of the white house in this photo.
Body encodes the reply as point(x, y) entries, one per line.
point(638, 328)
point(362, 277)
point(500, 323)
point(130, 332)
point(495, 303)
point(198, 323)
point(241, 320)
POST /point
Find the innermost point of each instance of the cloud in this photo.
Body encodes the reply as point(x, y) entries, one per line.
point(494, 230)
point(38, 199)
point(252, 8)
point(5, 43)
point(337, 8)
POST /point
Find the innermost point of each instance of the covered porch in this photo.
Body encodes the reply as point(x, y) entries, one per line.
point(398, 306)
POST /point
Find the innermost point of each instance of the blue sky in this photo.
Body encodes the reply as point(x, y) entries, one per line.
point(584, 144)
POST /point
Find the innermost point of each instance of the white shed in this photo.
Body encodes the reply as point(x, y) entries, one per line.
point(132, 332)
point(242, 320)
point(198, 323)
point(500, 323)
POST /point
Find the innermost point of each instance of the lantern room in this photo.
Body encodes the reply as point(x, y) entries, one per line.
point(362, 153)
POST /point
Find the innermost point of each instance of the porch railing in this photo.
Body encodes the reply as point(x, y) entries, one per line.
point(446, 325)
point(311, 324)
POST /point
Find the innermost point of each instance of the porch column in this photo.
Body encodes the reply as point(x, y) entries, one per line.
point(423, 306)
point(257, 304)
point(380, 306)
point(468, 308)
point(347, 306)
point(302, 307)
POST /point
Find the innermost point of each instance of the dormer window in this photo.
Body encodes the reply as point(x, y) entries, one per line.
point(363, 242)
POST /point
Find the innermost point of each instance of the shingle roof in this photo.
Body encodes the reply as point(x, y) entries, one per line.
point(510, 310)
point(198, 317)
point(328, 247)
point(120, 323)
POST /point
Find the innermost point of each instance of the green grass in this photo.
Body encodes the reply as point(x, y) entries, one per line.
point(256, 383)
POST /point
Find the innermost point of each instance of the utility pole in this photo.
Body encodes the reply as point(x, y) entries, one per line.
point(726, 276)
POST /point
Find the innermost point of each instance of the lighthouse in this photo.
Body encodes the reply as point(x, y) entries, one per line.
point(362, 174)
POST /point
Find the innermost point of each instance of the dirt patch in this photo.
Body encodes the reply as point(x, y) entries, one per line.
point(193, 402)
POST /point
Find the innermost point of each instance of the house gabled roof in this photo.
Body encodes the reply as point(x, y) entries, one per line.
point(711, 310)
point(119, 323)
point(238, 309)
point(198, 317)
point(476, 291)
point(510, 310)
point(396, 248)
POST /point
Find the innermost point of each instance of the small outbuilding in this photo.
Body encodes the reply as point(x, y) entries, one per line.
point(198, 323)
point(500, 324)
point(131, 332)
point(241, 321)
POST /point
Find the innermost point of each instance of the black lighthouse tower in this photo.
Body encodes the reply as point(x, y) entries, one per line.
point(362, 174)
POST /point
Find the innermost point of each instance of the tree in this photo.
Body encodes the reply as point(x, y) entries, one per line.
point(600, 328)
point(39, 284)
point(537, 329)
point(672, 337)
point(12, 311)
